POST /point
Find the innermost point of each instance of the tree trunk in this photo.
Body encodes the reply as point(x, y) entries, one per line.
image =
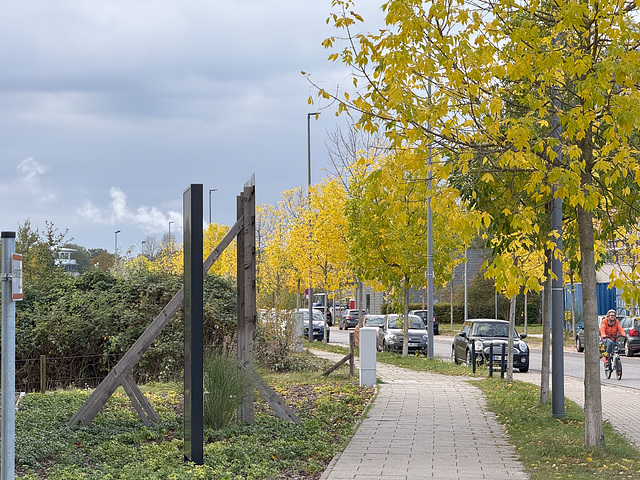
point(405, 324)
point(546, 333)
point(512, 326)
point(593, 429)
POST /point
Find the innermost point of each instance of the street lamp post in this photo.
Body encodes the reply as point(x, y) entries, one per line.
point(142, 247)
point(169, 239)
point(116, 242)
point(212, 190)
point(309, 206)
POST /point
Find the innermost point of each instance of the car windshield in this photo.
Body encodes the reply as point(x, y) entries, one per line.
point(491, 329)
point(416, 322)
point(373, 321)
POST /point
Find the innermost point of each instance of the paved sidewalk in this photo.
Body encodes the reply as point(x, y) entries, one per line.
point(424, 425)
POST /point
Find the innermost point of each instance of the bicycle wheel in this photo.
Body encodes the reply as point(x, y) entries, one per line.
point(618, 367)
point(608, 369)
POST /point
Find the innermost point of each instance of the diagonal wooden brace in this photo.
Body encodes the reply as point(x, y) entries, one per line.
point(140, 403)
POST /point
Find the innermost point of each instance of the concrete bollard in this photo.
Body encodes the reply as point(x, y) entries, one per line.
point(368, 352)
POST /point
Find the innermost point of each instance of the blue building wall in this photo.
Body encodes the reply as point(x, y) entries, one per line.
point(605, 297)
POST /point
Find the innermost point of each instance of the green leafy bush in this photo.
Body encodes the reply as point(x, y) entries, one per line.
point(85, 324)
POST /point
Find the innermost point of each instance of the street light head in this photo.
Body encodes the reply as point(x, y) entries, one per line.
point(313, 113)
point(117, 231)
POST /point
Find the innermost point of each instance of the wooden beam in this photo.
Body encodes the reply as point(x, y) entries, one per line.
point(274, 400)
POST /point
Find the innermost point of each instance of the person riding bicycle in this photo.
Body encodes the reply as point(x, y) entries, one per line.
point(610, 328)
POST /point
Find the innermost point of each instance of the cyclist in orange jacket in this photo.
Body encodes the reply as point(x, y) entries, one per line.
point(610, 328)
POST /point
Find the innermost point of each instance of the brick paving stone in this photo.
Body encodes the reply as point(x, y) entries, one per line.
point(423, 425)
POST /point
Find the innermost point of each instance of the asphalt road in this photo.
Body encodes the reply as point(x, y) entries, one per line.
point(573, 361)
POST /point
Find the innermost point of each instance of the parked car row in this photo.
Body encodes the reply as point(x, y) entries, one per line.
point(630, 345)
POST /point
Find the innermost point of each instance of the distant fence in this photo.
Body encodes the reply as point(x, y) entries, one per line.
point(50, 373)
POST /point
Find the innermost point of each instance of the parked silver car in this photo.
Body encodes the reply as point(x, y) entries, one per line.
point(391, 338)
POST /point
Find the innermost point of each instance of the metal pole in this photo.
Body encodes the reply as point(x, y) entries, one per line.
point(466, 302)
point(430, 345)
point(212, 190)
point(115, 250)
point(8, 358)
point(557, 289)
point(309, 206)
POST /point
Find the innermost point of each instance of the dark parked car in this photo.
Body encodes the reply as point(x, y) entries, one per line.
point(630, 345)
point(423, 315)
point(631, 327)
point(391, 338)
point(484, 333)
point(580, 334)
point(318, 324)
point(349, 318)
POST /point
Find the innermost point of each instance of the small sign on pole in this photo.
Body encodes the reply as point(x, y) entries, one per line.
point(16, 282)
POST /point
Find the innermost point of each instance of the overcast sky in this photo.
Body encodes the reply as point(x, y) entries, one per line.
point(110, 109)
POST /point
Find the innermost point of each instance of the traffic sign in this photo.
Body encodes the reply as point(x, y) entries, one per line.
point(16, 273)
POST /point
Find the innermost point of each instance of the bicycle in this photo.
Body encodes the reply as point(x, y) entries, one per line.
point(614, 363)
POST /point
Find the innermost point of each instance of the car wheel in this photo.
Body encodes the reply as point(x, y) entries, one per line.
point(454, 359)
point(340, 326)
point(524, 369)
point(627, 349)
point(468, 358)
point(579, 346)
point(385, 347)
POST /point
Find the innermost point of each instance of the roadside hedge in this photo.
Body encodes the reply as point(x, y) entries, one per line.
point(88, 322)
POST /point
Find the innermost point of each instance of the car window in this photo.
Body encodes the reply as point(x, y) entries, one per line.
point(466, 328)
point(491, 330)
point(415, 322)
point(373, 322)
point(625, 322)
point(421, 313)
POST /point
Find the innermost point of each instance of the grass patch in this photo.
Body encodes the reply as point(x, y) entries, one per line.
point(554, 448)
point(117, 446)
point(420, 363)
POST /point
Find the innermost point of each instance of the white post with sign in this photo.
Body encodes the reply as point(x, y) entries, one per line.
point(11, 292)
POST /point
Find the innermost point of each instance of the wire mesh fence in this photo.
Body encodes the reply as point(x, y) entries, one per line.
point(50, 373)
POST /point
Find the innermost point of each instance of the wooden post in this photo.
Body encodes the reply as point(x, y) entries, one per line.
point(246, 296)
point(43, 374)
point(352, 354)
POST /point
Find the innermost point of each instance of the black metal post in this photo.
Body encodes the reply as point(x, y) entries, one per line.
point(193, 325)
point(503, 361)
point(491, 360)
point(473, 355)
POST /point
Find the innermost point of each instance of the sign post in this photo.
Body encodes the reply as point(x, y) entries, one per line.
point(11, 292)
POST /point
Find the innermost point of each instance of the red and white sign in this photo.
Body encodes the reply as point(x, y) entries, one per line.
point(16, 281)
